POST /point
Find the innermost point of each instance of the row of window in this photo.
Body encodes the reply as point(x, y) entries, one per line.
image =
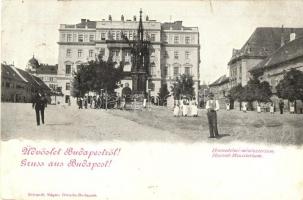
point(176, 54)
point(116, 53)
point(176, 39)
point(78, 38)
point(91, 53)
point(46, 78)
point(111, 35)
point(80, 53)
point(117, 35)
point(176, 70)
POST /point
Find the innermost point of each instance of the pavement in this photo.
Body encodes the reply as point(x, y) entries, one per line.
point(64, 123)
point(67, 123)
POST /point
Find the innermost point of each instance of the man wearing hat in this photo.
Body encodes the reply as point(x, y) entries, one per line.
point(212, 106)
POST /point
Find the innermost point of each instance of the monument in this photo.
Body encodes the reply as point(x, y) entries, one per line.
point(140, 48)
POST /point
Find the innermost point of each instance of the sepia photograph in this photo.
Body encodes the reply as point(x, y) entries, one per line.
point(151, 99)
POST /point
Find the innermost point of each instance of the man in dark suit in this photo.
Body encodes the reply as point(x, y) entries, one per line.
point(39, 103)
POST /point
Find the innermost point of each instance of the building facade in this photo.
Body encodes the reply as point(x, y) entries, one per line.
point(175, 49)
point(49, 75)
point(220, 88)
point(272, 69)
point(263, 42)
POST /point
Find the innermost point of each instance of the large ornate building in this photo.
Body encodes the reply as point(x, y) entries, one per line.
point(175, 49)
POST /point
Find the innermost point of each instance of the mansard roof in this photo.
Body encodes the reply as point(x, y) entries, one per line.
point(287, 52)
point(264, 41)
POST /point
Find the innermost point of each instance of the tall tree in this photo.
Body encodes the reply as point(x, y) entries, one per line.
point(264, 92)
point(235, 92)
point(291, 86)
point(97, 75)
point(250, 90)
point(183, 86)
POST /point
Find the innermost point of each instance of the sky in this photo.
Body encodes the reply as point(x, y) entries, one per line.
point(31, 26)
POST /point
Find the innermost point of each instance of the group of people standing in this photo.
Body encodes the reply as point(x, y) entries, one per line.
point(272, 107)
point(189, 108)
point(185, 108)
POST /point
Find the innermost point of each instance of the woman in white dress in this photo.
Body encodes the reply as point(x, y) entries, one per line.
point(244, 106)
point(227, 106)
point(292, 107)
point(258, 108)
point(176, 110)
point(194, 109)
point(272, 108)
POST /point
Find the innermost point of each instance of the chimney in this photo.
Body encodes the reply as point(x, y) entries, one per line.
point(147, 18)
point(135, 18)
point(122, 18)
point(282, 36)
point(109, 17)
point(83, 21)
point(292, 35)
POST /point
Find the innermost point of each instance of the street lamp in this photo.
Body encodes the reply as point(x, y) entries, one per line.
point(204, 100)
point(148, 98)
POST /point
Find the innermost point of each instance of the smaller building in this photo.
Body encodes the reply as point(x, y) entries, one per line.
point(18, 85)
point(220, 89)
point(272, 69)
point(49, 75)
point(262, 43)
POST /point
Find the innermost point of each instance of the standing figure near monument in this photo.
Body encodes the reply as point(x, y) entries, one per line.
point(272, 108)
point(185, 107)
point(39, 103)
point(281, 106)
point(194, 109)
point(176, 110)
point(126, 94)
point(212, 106)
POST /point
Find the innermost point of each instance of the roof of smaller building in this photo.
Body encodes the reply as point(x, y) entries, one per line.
point(264, 41)
point(287, 52)
point(223, 79)
point(47, 69)
point(177, 25)
point(20, 75)
point(8, 72)
point(33, 80)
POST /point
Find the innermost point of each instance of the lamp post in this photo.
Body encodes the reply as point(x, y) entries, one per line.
point(148, 98)
point(204, 102)
point(101, 98)
point(106, 99)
